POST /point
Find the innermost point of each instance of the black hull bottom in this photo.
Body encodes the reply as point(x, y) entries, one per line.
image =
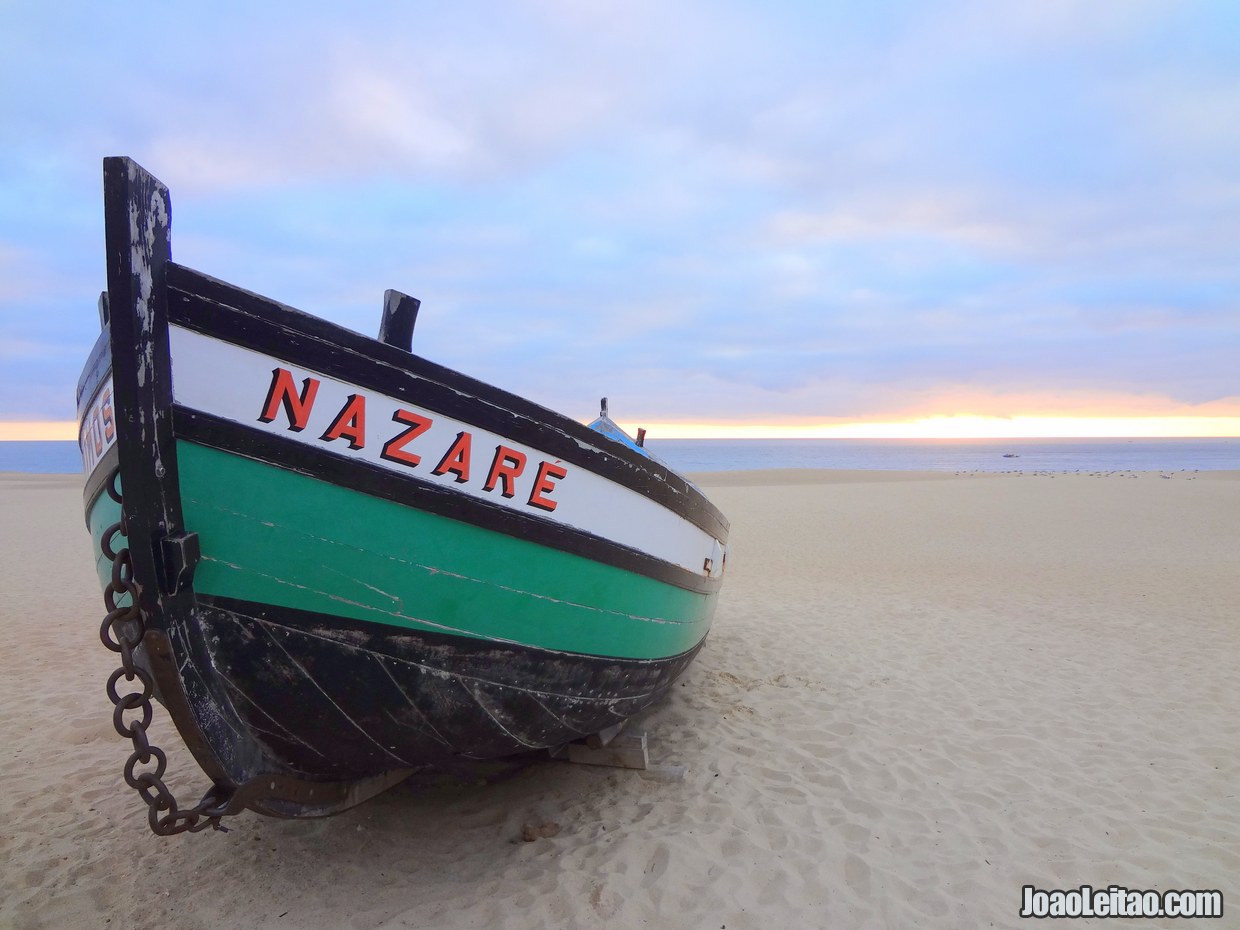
point(310, 697)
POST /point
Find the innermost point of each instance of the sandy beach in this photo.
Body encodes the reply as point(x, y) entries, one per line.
point(921, 692)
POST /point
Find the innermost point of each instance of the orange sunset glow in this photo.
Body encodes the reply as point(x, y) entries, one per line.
point(926, 427)
point(959, 427)
point(983, 416)
point(36, 430)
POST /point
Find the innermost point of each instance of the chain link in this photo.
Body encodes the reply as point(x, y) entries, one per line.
point(122, 632)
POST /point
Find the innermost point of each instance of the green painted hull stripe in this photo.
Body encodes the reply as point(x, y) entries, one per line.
point(273, 536)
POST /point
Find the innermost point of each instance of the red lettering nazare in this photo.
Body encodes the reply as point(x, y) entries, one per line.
point(350, 422)
point(505, 468)
point(109, 426)
point(544, 484)
point(456, 459)
point(296, 403)
point(394, 449)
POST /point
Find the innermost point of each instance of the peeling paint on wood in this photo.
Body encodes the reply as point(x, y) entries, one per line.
point(355, 563)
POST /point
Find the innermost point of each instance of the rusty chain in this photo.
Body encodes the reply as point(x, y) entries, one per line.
point(122, 632)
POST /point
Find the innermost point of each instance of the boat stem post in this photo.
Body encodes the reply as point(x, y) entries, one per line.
point(400, 313)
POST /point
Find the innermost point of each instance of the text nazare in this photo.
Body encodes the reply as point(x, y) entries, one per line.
point(401, 446)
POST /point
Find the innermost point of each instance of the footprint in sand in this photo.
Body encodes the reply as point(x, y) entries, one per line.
point(658, 865)
point(857, 875)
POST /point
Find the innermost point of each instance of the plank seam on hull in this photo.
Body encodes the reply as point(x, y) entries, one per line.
point(288, 734)
point(429, 624)
point(249, 699)
point(534, 695)
point(310, 678)
point(433, 670)
point(491, 713)
point(430, 727)
point(404, 563)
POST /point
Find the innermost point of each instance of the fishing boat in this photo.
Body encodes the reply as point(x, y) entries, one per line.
point(336, 563)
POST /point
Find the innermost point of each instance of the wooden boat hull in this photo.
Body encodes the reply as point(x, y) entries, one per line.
point(354, 564)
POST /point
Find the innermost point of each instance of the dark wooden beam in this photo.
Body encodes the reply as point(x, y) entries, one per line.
point(400, 313)
point(137, 229)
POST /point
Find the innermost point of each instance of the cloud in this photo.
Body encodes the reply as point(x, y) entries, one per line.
point(483, 96)
point(783, 211)
point(934, 215)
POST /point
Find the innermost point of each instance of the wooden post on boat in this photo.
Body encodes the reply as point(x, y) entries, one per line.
point(400, 313)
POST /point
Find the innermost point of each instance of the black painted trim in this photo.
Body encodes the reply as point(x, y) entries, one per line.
point(461, 646)
point(94, 372)
point(216, 308)
point(369, 478)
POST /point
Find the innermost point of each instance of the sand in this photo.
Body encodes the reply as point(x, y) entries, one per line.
point(921, 693)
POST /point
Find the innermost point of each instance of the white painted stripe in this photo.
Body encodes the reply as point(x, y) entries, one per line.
point(233, 382)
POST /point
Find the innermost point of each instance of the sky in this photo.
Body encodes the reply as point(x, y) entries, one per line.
point(787, 218)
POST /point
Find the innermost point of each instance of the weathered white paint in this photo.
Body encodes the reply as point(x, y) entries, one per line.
point(97, 428)
point(232, 382)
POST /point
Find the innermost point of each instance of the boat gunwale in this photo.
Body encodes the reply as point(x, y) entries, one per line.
point(221, 310)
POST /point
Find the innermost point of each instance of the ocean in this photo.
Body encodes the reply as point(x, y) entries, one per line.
point(992, 455)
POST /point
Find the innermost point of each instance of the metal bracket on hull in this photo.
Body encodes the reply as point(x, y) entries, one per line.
point(181, 553)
